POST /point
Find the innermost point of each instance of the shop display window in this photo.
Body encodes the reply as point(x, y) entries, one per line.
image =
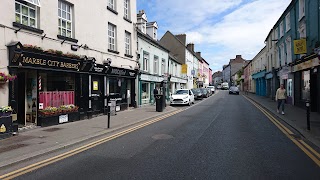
point(56, 89)
point(305, 85)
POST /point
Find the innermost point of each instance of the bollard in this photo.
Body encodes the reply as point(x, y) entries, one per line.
point(308, 114)
point(108, 117)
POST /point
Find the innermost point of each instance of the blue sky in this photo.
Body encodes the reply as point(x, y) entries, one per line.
point(220, 29)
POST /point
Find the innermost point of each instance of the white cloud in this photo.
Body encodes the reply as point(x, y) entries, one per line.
point(220, 29)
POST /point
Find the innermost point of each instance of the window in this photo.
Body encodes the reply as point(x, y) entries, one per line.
point(281, 29)
point(288, 22)
point(289, 52)
point(171, 68)
point(282, 58)
point(112, 37)
point(175, 70)
point(276, 33)
point(34, 2)
point(163, 66)
point(127, 9)
point(26, 14)
point(128, 43)
point(301, 8)
point(112, 4)
point(145, 93)
point(155, 64)
point(65, 19)
point(145, 64)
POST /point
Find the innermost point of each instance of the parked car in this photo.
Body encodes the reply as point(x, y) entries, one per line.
point(209, 91)
point(212, 88)
point(234, 90)
point(205, 92)
point(219, 87)
point(197, 93)
point(182, 96)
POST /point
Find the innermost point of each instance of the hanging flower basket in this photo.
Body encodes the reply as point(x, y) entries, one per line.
point(6, 77)
point(33, 48)
point(5, 111)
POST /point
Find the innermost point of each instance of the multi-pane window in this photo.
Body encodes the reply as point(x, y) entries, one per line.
point(145, 64)
point(112, 36)
point(171, 69)
point(156, 64)
point(127, 9)
point(301, 8)
point(163, 66)
point(26, 14)
point(128, 43)
point(175, 70)
point(65, 19)
point(112, 4)
point(281, 29)
point(288, 22)
point(289, 52)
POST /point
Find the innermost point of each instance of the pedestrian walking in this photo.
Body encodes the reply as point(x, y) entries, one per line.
point(155, 92)
point(281, 97)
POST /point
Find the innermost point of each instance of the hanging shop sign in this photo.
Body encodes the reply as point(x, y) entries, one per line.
point(184, 68)
point(300, 46)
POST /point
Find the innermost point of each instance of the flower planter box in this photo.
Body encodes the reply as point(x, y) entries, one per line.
point(74, 116)
point(5, 127)
point(58, 119)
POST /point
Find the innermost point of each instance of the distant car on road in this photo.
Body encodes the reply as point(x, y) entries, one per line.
point(182, 96)
point(212, 88)
point(197, 93)
point(225, 86)
point(234, 90)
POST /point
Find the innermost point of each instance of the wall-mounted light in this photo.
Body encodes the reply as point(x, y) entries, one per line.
point(74, 47)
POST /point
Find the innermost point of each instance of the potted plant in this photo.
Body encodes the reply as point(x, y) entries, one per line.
point(5, 111)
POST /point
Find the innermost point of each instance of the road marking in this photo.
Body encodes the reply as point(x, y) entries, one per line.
point(203, 100)
point(309, 151)
point(62, 156)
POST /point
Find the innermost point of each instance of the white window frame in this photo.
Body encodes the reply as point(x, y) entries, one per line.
point(64, 21)
point(171, 68)
point(283, 59)
point(127, 9)
point(21, 15)
point(127, 43)
point(176, 70)
point(281, 29)
point(34, 2)
point(288, 23)
point(112, 37)
point(163, 66)
point(289, 51)
point(112, 4)
point(301, 9)
point(276, 33)
point(155, 64)
point(145, 64)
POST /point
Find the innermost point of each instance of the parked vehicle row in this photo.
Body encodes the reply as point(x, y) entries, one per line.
point(188, 96)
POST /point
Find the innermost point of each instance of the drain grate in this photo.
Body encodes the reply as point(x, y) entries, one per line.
point(52, 129)
point(12, 147)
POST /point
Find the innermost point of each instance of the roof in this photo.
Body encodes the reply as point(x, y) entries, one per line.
point(151, 39)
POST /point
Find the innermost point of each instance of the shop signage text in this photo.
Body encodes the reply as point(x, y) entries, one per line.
point(307, 64)
point(113, 71)
point(146, 77)
point(50, 63)
point(178, 80)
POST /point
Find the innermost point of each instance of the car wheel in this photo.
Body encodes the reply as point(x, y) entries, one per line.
point(189, 104)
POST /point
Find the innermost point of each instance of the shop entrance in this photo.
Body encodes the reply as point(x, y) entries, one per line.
point(314, 92)
point(97, 90)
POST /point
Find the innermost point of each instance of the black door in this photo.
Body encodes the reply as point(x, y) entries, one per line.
point(313, 92)
point(133, 93)
point(97, 89)
point(21, 114)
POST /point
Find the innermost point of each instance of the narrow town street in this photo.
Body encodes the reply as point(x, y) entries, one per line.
point(222, 137)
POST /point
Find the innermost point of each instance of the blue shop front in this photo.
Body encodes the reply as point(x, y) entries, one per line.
point(260, 79)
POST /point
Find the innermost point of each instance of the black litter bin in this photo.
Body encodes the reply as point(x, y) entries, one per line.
point(159, 103)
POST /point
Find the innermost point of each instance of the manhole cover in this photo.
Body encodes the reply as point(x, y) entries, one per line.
point(162, 136)
point(51, 129)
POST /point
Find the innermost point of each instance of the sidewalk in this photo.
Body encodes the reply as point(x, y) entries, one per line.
point(294, 116)
point(39, 141)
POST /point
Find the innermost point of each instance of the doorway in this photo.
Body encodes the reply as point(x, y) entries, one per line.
point(97, 90)
point(313, 91)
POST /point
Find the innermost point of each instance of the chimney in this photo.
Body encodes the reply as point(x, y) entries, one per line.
point(190, 46)
point(182, 38)
point(199, 53)
point(238, 57)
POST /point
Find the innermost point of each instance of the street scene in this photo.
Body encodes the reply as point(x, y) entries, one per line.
point(139, 89)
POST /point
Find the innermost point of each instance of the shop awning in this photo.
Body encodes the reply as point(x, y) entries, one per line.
point(259, 74)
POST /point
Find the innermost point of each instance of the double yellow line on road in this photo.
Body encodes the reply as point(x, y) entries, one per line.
point(313, 154)
point(46, 162)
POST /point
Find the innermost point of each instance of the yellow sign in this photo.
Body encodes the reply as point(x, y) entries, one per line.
point(300, 46)
point(3, 128)
point(95, 85)
point(184, 68)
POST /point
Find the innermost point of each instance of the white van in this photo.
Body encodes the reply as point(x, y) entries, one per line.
point(225, 86)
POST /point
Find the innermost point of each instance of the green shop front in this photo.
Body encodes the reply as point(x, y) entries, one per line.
point(147, 83)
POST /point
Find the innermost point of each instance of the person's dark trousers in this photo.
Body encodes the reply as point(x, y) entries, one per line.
point(281, 103)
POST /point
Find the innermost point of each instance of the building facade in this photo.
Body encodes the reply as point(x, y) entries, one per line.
point(65, 62)
point(259, 72)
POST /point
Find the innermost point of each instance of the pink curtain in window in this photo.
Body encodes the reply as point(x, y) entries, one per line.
point(56, 98)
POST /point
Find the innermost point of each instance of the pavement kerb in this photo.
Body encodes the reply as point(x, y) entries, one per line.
point(301, 131)
point(75, 142)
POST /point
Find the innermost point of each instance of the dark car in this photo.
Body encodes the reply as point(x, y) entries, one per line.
point(205, 92)
point(234, 90)
point(197, 93)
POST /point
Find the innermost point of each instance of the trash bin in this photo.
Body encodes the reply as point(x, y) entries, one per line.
point(113, 104)
point(159, 103)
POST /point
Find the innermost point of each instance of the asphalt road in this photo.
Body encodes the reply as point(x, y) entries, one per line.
point(222, 137)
